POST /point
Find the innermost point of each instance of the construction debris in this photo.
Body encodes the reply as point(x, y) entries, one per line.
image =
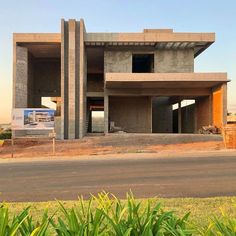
point(114, 128)
point(210, 129)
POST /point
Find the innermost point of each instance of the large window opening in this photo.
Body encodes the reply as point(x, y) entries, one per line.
point(143, 63)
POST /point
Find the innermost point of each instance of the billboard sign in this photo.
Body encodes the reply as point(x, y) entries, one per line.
point(32, 119)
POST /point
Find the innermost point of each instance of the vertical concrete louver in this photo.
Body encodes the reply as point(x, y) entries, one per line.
point(73, 79)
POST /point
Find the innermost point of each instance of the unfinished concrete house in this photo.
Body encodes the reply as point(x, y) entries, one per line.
point(137, 82)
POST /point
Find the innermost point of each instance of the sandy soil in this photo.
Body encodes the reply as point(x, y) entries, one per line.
point(102, 145)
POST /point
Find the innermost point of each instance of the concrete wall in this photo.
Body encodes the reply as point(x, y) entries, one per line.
point(133, 114)
point(171, 61)
point(30, 80)
point(203, 112)
point(188, 119)
point(46, 79)
point(162, 115)
point(20, 83)
point(95, 83)
point(118, 61)
point(165, 61)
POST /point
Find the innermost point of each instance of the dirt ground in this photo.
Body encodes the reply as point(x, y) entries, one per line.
point(98, 145)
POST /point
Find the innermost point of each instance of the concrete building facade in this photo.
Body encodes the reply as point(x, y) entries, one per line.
point(133, 79)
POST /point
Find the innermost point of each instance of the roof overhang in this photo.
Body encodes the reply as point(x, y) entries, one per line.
point(166, 40)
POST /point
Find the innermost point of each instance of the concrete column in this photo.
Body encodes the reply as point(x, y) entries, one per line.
point(224, 102)
point(106, 114)
point(70, 79)
point(219, 105)
point(179, 118)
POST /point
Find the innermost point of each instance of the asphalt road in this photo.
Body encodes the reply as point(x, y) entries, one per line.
point(148, 177)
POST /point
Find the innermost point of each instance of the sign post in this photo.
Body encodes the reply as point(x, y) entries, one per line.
point(39, 119)
point(53, 136)
point(12, 146)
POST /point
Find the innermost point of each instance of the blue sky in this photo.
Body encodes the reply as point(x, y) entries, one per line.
point(123, 16)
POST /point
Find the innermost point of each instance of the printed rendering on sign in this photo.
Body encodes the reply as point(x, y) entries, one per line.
point(35, 118)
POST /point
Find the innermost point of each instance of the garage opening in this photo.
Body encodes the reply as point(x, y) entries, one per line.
point(143, 63)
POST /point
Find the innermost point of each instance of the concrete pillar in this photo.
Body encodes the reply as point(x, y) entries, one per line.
point(70, 79)
point(106, 113)
point(179, 118)
point(219, 105)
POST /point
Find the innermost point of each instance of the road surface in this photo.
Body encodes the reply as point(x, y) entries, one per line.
point(146, 177)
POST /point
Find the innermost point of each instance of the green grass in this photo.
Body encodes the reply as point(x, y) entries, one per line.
point(202, 209)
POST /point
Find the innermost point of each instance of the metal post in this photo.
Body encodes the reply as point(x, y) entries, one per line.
point(53, 143)
point(179, 118)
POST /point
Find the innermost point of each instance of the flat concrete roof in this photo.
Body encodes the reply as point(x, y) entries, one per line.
point(154, 38)
point(160, 39)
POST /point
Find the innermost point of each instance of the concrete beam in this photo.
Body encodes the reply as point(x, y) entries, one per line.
point(188, 92)
point(37, 38)
point(150, 37)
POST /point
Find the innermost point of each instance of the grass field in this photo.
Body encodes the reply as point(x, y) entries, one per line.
point(202, 209)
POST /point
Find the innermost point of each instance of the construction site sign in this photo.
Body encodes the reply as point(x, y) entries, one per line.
point(32, 119)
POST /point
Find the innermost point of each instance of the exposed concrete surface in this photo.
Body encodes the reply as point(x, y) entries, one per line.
point(162, 115)
point(120, 61)
point(162, 138)
point(132, 114)
point(186, 176)
point(170, 61)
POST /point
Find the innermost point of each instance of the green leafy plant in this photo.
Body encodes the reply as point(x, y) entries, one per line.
point(83, 221)
point(135, 219)
point(107, 215)
point(22, 224)
point(220, 226)
point(8, 228)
